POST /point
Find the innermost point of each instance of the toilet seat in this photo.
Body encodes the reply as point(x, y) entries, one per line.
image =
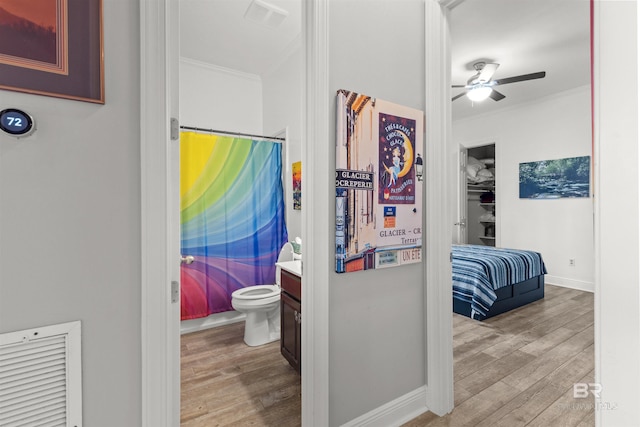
point(256, 292)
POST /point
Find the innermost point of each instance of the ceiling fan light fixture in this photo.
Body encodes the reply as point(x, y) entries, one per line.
point(479, 93)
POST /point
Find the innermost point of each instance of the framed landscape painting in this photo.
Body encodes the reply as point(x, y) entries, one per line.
point(554, 179)
point(52, 48)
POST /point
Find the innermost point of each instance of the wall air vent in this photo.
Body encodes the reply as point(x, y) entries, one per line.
point(40, 377)
point(265, 13)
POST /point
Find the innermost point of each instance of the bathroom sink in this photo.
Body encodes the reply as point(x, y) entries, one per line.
point(293, 267)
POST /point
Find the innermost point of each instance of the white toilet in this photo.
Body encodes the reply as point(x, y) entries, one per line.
point(261, 304)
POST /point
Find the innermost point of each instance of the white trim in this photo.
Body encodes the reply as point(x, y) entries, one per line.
point(317, 180)
point(159, 325)
point(220, 69)
point(479, 143)
point(290, 49)
point(566, 282)
point(597, 213)
point(394, 413)
point(439, 202)
point(212, 321)
point(450, 4)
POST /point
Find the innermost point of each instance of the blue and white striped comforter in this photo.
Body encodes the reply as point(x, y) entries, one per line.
point(479, 270)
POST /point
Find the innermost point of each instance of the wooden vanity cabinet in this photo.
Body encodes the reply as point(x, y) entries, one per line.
point(290, 318)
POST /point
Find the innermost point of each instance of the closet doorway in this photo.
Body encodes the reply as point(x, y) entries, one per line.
point(478, 224)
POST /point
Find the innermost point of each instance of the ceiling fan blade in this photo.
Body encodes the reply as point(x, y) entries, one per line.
point(458, 96)
point(496, 96)
point(521, 78)
point(487, 72)
point(458, 86)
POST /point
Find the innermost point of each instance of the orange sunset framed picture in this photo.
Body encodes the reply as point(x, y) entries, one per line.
point(52, 48)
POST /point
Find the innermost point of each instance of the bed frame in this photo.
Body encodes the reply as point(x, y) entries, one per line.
point(509, 297)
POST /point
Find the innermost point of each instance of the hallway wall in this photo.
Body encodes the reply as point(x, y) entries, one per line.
point(70, 224)
point(376, 328)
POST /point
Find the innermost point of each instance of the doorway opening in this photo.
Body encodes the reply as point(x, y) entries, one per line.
point(508, 221)
point(478, 197)
point(247, 84)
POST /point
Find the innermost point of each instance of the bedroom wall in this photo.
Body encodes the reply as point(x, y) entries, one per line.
point(552, 128)
point(70, 224)
point(376, 326)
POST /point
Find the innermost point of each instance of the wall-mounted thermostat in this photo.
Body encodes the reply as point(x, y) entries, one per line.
point(16, 122)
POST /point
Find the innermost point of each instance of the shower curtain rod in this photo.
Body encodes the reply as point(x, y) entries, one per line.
point(223, 132)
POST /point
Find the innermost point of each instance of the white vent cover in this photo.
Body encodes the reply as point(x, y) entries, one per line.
point(40, 377)
point(266, 13)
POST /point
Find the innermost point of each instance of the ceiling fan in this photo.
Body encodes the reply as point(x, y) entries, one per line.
point(480, 86)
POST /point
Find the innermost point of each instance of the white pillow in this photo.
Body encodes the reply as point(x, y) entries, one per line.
point(486, 173)
point(473, 166)
point(488, 161)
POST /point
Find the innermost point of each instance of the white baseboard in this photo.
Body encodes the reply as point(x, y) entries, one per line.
point(570, 283)
point(212, 321)
point(394, 413)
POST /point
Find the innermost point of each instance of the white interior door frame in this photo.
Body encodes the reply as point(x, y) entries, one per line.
point(462, 214)
point(160, 227)
point(440, 199)
point(315, 180)
point(462, 188)
point(159, 44)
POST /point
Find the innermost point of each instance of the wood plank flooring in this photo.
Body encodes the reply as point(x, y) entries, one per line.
point(224, 382)
point(519, 368)
point(516, 369)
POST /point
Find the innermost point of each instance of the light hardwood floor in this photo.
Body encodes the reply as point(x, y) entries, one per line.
point(516, 369)
point(519, 368)
point(224, 382)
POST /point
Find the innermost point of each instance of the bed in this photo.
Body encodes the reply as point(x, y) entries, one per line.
point(488, 281)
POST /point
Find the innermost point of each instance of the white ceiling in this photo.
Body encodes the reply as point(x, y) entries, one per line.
point(523, 36)
point(216, 32)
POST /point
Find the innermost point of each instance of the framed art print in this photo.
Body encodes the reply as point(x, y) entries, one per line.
point(379, 183)
point(52, 48)
point(555, 179)
point(296, 172)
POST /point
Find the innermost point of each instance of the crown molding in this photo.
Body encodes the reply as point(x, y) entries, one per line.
point(220, 69)
point(287, 52)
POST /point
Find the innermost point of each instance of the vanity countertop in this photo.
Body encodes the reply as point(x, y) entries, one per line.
point(293, 267)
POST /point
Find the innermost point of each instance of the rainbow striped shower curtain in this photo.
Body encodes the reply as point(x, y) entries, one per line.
point(231, 218)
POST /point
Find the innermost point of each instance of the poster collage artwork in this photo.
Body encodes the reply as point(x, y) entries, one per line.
point(379, 181)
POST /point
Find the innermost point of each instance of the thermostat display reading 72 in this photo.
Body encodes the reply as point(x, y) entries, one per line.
point(16, 122)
